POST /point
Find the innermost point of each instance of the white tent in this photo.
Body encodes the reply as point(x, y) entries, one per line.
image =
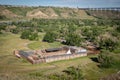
point(69, 52)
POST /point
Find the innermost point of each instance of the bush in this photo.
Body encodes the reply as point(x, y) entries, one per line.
point(105, 59)
point(109, 60)
point(118, 29)
point(73, 40)
point(33, 36)
point(15, 31)
point(0, 32)
point(58, 77)
point(108, 44)
point(29, 35)
point(71, 73)
point(2, 17)
point(74, 73)
point(25, 34)
point(49, 37)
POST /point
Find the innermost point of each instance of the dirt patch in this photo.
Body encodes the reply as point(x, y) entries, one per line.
point(36, 14)
point(9, 14)
point(50, 12)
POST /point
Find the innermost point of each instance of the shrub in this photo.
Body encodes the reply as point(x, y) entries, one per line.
point(108, 44)
point(105, 59)
point(33, 36)
point(74, 73)
point(49, 37)
point(118, 29)
point(15, 31)
point(73, 40)
point(29, 35)
point(25, 34)
point(71, 73)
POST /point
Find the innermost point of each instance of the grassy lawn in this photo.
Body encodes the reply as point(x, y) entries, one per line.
point(21, 69)
point(43, 45)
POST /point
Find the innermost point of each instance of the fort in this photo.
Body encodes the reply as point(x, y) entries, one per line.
point(52, 54)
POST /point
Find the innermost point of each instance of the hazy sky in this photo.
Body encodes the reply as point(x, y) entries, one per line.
point(64, 3)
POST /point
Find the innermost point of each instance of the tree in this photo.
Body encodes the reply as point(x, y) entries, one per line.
point(2, 17)
point(108, 43)
point(86, 31)
point(25, 34)
point(118, 28)
point(49, 37)
point(29, 35)
point(105, 59)
point(15, 31)
point(91, 32)
point(73, 40)
point(33, 36)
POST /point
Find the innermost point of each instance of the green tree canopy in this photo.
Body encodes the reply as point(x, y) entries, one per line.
point(106, 43)
point(105, 59)
point(73, 40)
point(49, 37)
point(29, 35)
point(25, 34)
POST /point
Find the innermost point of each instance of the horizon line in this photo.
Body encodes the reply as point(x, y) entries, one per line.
point(53, 6)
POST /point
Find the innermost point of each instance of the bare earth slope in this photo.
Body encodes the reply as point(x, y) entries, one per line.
point(7, 13)
point(36, 14)
point(12, 12)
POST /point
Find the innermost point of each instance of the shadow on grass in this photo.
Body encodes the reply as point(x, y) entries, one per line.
point(94, 59)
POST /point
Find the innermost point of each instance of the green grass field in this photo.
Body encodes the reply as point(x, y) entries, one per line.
point(12, 68)
point(43, 45)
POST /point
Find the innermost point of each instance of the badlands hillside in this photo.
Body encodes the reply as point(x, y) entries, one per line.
point(19, 12)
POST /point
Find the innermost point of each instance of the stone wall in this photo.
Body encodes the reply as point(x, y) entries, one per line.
point(64, 57)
